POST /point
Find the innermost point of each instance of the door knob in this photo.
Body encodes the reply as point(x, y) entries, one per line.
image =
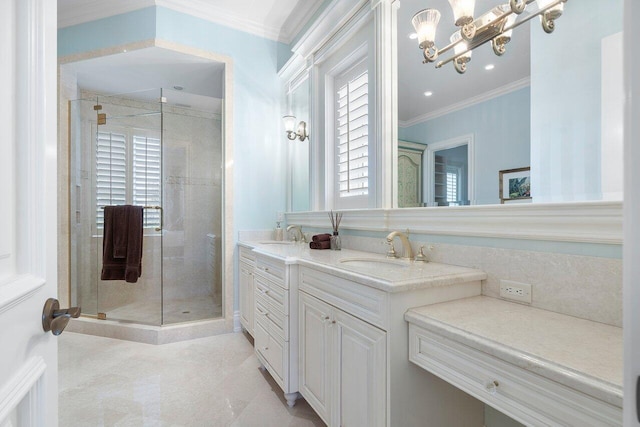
point(55, 319)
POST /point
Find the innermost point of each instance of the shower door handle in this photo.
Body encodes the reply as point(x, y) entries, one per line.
point(55, 319)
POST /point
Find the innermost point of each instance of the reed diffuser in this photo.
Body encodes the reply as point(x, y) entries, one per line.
point(336, 244)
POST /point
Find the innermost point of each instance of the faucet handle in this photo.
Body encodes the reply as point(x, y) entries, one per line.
point(421, 256)
point(391, 253)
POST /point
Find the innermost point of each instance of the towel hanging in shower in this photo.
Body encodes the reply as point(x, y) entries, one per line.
point(122, 243)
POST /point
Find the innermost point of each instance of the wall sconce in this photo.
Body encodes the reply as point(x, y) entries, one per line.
point(495, 26)
point(289, 126)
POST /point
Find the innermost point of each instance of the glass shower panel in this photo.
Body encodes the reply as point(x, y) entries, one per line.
point(127, 159)
point(192, 194)
point(83, 285)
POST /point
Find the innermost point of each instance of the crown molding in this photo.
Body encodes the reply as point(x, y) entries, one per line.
point(298, 19)
point(580, 222)
point(332, 19)
point(203, 9)
point(92, 10)
point(503, 90)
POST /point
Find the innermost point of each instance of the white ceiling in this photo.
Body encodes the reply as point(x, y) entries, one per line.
point(450, 88)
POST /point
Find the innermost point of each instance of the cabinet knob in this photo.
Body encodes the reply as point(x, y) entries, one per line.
point(491, 386)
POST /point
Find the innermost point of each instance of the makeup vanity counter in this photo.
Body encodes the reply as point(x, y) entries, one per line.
point(337, 321)
point(537, 366)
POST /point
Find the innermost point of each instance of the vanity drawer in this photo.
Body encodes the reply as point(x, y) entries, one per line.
point(519, 393)
point(273, 353)
point(362, 301)
point(276, 295)
point(271, 269)
point(273, 320)
point(247, 255)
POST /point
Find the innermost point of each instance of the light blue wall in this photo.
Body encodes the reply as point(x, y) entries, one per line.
point(259, 141)
point(565, 97)
point(103, 33)
point(501, 131)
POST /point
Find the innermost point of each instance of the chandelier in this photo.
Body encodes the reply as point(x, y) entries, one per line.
point(495, 26)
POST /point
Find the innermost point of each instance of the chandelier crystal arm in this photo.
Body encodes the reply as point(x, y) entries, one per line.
point(547, 23)
point(495, 26)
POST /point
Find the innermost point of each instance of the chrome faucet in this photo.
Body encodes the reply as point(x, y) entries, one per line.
point(300, 234)
point(408, 252)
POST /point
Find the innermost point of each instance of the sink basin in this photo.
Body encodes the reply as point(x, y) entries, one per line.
point(375, 263)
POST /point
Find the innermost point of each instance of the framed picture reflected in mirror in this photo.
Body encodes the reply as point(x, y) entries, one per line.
point(515, 185)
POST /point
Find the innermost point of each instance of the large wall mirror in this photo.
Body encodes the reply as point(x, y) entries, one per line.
point(297, 93)
point(552, 103)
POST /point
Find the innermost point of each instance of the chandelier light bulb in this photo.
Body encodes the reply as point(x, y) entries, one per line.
point(460, 47)
point(462, 11)
point(426, 22)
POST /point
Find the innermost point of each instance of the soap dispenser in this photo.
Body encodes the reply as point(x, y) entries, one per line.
point(279, 232)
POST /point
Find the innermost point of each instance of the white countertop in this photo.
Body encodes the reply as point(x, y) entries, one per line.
point(581, 354)
point(390, 275)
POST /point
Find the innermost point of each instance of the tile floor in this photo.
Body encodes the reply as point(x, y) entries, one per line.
point(212, 381)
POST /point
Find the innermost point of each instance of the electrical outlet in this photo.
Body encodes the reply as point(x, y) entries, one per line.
point(280, 216)
point(515, 291)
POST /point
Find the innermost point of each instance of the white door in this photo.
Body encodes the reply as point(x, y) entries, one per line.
point(28, 265)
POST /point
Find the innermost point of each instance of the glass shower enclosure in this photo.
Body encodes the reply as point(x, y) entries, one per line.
point(149, 149)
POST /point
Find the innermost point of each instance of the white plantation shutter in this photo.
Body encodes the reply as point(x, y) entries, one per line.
point(146, 177)
point(111, 172)
point(452, 185)
point(352, 137)
point(128, 171)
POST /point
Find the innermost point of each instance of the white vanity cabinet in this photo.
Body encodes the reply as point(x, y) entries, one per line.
point(342, 365)
point(246, 265)
point(276, 321)
point(354, 368)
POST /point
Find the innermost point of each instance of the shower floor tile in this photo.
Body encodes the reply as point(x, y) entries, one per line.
point(175, 310)
point(213, 381)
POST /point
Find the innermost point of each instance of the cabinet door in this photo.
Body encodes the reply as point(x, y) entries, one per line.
point(314, 345)
point(246, 297)
point(359, 373)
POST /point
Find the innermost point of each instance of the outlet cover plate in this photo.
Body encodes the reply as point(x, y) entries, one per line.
point(515, 291)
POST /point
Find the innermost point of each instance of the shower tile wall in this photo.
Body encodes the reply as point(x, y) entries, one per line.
point(191, 201)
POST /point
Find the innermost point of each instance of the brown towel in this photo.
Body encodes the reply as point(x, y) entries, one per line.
point(320, 245)
point(122, 243)
point(321, 237)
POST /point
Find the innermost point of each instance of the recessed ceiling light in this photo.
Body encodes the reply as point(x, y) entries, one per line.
point(489, 67)
point(413, 36)
point(428, 93)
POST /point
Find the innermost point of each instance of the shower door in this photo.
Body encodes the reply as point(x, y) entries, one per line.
point(116, 160)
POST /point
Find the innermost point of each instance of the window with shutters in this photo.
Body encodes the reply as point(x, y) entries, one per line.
point(352, 133)
point(128, 171)
point(453, 174)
